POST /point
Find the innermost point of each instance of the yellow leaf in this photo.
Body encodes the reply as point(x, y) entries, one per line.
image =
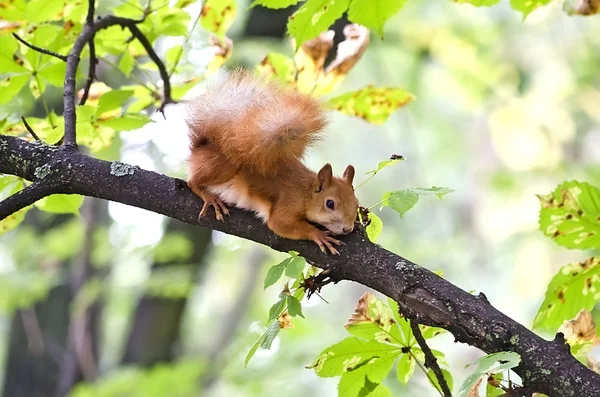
point(310, 60)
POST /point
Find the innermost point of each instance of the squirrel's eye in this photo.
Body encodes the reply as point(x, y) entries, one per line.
point(330, 204)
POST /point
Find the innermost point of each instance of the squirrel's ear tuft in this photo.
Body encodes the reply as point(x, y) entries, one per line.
point(324, 177)
point(349, 174)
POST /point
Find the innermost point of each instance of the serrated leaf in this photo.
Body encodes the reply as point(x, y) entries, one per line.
point(44, 10)
point(406, 368)
point(573, 288)
point(349, 354)
point(127, 122)
point(60, 203)
point(385, 164)
point(295, 267)
point(373, 104)
point(447, 376)
point(374, 228)
point(367, 373)
point(10, 87)
point(275, 272)
point(373, 13)
point(253, 350)
point(270, 335)
point(294, 307)
point(275, 4)
point(438, 191)
point(279, 66)
point(277, 308)
point(54, 73)
point(488, 365)
point(217, 16)
point(571, 215)
point(127, 63)
point(113, 99)
point(527, 6)
point(400, 201)
point(372, 319)
point(314, 17)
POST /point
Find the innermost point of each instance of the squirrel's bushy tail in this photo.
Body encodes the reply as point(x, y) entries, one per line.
point(255, 122)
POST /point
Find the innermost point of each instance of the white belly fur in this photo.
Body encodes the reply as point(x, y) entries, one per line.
point(233, 194)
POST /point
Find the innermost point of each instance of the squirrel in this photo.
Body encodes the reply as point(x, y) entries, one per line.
point(247, 138)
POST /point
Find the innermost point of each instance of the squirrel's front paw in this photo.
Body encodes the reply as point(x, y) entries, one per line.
point(216, 203)
point(323, 240)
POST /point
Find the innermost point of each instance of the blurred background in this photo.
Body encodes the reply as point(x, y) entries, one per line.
point(506, 109)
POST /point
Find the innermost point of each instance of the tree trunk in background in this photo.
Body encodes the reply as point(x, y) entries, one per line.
point(39, 358)
point(157, 321)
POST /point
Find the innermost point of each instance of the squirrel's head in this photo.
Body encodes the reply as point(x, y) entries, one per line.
point(333, 203)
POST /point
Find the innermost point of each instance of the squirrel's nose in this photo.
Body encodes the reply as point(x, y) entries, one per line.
point(347, 230)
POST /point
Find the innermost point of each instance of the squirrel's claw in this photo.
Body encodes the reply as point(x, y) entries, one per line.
point(323, 240)
point(219, 207)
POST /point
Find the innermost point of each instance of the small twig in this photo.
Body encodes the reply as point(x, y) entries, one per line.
point(91, 72)
point(430, 360)
point(33, 134)
point(41, 50)
point(89, 19)
point(26, 197)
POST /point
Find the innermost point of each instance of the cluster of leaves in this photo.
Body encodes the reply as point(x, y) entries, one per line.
point(570, 215)
point(314, 16)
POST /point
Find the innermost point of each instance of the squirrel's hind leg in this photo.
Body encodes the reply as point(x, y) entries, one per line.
point(207, 166)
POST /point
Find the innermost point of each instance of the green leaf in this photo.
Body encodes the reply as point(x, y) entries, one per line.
point(295, 267)
point(571, 215)
point(373, 104)
point(314, 17)
point(11, 86)
point(406, 368)
point(274, 273)
point(384, 164)
point(447, 376)
point(127, 122)
point(8, 46)
point(478, 3)
point(488, 365)
point(372, 319)
point(573, 288)
point(400, 200)
point(54, 73)
point(527, 6)
point(86, 113)
point(349, 354)
point(275, 4)
point(438, 191)
point(366, 373)
point(113, 99)
point(10, 185)
point(253, 350)
point(375, 227)
point(279, 66)
point(380, 391)
point(129, 9)
point(491, 390)
point(277, 308)
point(217, 16)
point(270, 335)
point(373, 13)
point(127, 63)
point(44, 10)
point(60, 203)
point(294, 307)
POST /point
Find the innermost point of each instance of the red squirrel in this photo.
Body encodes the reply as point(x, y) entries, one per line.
point(247, 139)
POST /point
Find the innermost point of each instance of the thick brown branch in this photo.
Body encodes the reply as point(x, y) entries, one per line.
point(41, 50)
point(430, 360)
point(546, 366)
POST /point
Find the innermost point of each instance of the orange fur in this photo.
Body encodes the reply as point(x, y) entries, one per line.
point(246, 150)
point(255, 122)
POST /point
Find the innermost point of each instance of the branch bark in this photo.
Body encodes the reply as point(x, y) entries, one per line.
point(546, 367)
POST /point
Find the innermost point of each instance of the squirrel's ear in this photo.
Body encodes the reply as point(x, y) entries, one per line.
point(349, 174)
point(324, 177)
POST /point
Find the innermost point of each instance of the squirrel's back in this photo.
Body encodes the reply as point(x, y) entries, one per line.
point(255, 122)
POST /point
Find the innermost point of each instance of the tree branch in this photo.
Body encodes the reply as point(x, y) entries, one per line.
point(430, 360)
point(41, 50)
point(546, 366)
point(26, 197)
